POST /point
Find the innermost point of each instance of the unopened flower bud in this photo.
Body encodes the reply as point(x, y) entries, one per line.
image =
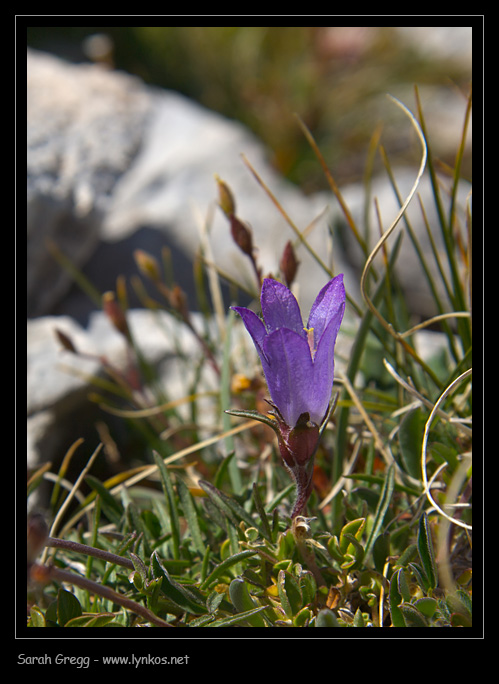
point(66, 341)
point(289, 263)
point(241, 235)
point(225, 198)
point(115, 313)
point(147, 264)
point(178, 301)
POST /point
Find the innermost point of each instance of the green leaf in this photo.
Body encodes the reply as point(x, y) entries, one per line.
point(381, 550)
point(326, 618)
point(427, 606)
point(191, 516)
point(266, 532)
point(289, 593)
point(395, 599)
point(37, 618)
point(403, 587)
point(353, 528)
point(355, 555)
point(254, 415)
point(308, 587)
point(171, 503)
point(358, 619)
point(68, 607)
point(112, 508)
point(227, 505)
point(420, 576)
point(412, 616)
point(425, 549)
point(94, 620)
point(235, 619)
point(176, 592)
point(410, 441)
point(222, 469)
point(226, 564)
point(383, 505)
point(240, 597)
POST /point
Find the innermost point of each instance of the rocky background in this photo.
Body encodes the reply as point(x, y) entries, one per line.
point(115, 164)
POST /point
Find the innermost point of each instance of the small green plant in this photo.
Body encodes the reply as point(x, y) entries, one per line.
point(384, 539)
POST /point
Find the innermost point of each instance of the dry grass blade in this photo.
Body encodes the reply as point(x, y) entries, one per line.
point(287, 218)
point(427, 484)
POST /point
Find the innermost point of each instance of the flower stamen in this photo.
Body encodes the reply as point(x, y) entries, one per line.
point(311, 341)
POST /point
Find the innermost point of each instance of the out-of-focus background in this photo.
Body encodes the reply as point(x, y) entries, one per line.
point(334, 77)
point(127, 127)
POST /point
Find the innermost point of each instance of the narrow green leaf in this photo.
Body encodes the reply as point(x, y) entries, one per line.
point(410, 441)
point(98, 620)
point(219, 500)
point(191, 516)
point(420, 576)
point(226, 564)
point(171, 503)
point(289, 593)
point(381, 550)
point(112, 508)
point(425, 549)
point(402, 585)
point(383, 505)
point(261, 512)
point(176, 592)
point(254, 415)
point(229, 506)
point(222, 469)
point(235, 619)
point(395, 600)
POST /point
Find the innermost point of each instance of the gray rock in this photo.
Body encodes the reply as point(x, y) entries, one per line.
point(84, 125)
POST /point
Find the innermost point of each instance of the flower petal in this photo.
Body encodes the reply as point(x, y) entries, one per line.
point(255, 327)
point(323, 376)
point(328, 303)
point(288, 370)
point(280, 308)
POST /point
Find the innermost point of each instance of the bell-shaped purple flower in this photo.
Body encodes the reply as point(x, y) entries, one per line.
point(298, 363)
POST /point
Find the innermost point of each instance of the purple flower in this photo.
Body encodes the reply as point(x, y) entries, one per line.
point(298, 363)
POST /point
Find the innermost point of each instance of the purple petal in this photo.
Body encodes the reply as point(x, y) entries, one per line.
point(328, 304)
point(289, 370)
point(255, 327)
point(280, 308)
point(324, 368)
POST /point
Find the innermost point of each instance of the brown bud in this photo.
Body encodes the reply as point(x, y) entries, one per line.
point(66, 341)
point(178, 301)
point(225, 198)
point(115, 313)
point(147, 264)
point(241, 235)
point(289, 263)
